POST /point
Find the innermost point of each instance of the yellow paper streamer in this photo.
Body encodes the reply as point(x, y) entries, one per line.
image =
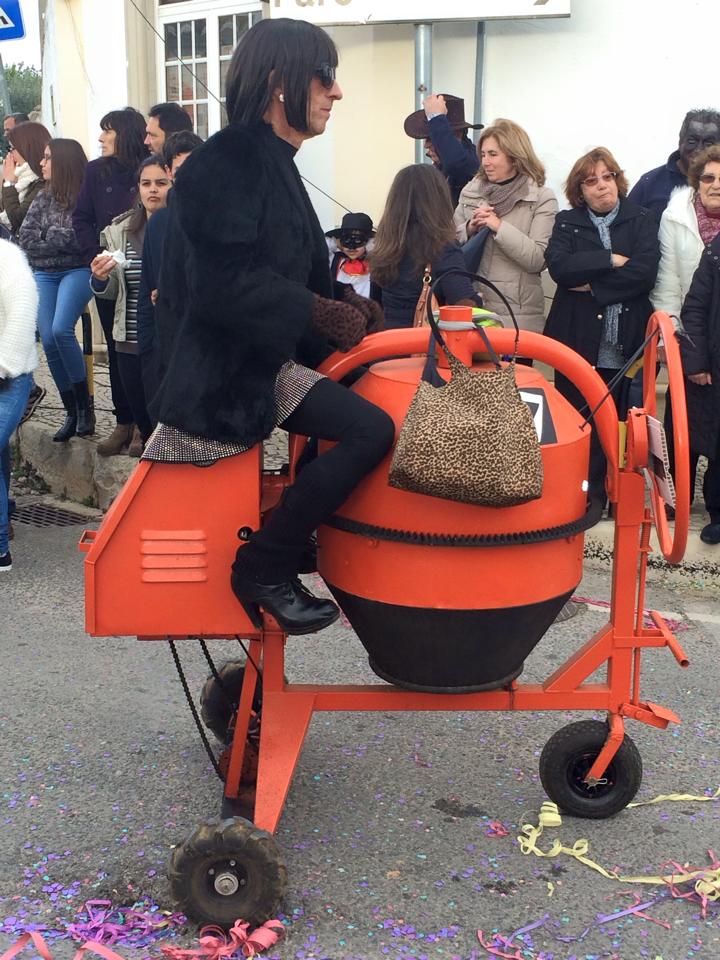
point(675, 797)
point(707, 881)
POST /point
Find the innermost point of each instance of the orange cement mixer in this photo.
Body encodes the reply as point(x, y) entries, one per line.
point(447, 598)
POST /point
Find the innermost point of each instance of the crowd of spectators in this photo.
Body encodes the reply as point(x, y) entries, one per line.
point(73, 230)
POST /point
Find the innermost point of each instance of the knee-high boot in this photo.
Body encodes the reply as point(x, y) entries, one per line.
point(69, 426)
point(84, 407)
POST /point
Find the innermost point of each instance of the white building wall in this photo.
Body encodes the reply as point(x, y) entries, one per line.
point(618, 74)
point(105, 64)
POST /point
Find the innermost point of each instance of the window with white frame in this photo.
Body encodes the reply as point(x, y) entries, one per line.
point(202, 34)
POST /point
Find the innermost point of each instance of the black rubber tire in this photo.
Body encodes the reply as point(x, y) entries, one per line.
point(218, 703)
point(257, 866)
point(569, 754)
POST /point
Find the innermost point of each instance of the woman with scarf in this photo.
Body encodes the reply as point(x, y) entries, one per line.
point(22, 172)
point(504, 219)
point(603, 255)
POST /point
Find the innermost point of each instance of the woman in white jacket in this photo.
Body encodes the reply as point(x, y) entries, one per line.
point(18, 358)
point(508, 197)
point(690, 222)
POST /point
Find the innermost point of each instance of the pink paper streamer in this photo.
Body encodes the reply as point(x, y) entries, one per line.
point(240, 941)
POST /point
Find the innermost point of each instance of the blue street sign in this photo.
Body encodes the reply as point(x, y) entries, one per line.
point(11, 21)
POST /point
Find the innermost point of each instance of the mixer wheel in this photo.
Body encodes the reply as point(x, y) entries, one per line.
point(219, 700)
point(228, 870)
point(566, 759)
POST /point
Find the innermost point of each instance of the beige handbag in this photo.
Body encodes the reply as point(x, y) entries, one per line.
point(471, 439)
point(420, 318)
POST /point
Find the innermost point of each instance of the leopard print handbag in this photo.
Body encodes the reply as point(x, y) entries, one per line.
point(472, 440)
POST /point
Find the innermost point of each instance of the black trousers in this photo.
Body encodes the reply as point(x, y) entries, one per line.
point(121, 406)
point(150, 379)
point(693, 457)
point(598, 461)
point(364, 434)
point(130, 371)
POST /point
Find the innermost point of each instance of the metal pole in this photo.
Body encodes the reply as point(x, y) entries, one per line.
point(423, 75)
point(4, 95)
point(479, 71)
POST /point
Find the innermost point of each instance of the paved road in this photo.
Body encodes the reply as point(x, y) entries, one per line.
point(386, 828)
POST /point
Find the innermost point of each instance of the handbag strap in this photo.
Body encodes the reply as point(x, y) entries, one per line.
point(478, 279)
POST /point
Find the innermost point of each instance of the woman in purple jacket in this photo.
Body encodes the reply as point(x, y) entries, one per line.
point(109, 189)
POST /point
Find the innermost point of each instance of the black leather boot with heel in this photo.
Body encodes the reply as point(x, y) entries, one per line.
point(69, 426)
point(85, 412)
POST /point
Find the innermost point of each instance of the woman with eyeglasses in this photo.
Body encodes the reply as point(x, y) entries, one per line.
point(690, 223)
point(245, 312)
point(603, 255)
point(22, 172)
point(62, 278)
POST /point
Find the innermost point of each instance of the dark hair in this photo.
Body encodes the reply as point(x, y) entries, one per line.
point(17, 117)
point(138, 217)
point(701, 116)
point(176, 144)
point(584, 167)
point(708, 155)
point(67, 171)
point(30, 140)
point(129, 127)
point(417, 222)
point(171, 117)
point(276, 53)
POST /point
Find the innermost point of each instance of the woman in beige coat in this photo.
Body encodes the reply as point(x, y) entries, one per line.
point(508, 201)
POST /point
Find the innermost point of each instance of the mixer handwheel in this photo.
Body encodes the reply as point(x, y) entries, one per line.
point(568, 756)
point(228, 870)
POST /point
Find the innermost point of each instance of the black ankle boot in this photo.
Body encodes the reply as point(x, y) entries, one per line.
point(69, 426)
point(85, 412)
point(296, 609)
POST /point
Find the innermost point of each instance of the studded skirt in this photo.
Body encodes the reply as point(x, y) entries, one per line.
point(171, 445)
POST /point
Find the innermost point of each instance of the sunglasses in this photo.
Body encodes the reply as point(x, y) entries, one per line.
point(709, 178)
point(326, 75)
point(607, 177)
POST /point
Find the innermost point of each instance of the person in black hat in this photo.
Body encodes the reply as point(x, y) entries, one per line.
point(349, 246)
point(442, 125)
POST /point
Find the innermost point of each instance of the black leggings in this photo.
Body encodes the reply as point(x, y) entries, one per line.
point(364, 434)
point(121, 406)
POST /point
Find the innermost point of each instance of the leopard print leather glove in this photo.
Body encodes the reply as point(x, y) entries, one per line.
point(370, 309)
point(344, 325)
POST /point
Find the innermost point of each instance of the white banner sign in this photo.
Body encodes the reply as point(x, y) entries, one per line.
point(327, 12)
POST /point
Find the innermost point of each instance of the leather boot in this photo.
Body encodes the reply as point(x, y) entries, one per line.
point(136, 445)
point(69, 426)
point(117, 441)
point(296, 610)
point(85, 412)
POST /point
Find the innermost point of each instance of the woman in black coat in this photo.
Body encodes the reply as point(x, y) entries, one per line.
point(603, 255)
point(700, 349)
point(244, 311)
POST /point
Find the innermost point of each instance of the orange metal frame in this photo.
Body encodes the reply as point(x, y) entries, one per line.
point(288, 708)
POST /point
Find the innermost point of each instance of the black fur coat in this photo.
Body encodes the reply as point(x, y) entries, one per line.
point(244, 253)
